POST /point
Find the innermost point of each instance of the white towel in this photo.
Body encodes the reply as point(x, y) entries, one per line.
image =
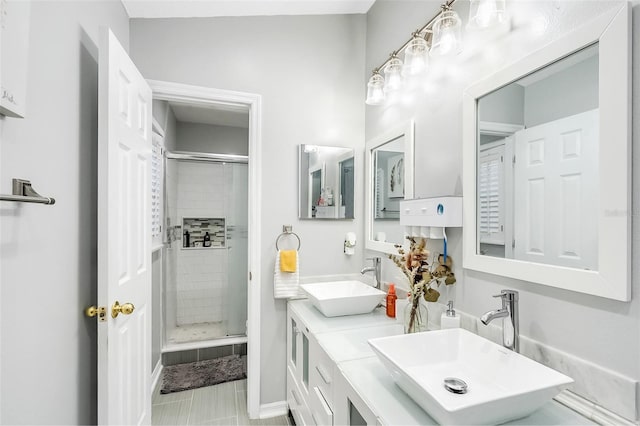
point(286, 284)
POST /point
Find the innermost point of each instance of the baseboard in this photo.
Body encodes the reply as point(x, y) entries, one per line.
point(274, 409)
point(155, 376)
point(590, 410)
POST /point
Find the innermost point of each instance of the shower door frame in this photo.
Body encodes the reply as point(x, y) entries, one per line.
point(206, 96)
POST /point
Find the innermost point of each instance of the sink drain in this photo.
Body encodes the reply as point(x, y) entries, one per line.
point(455, 385)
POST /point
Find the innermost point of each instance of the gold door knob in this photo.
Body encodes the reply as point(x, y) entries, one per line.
point(125, 309)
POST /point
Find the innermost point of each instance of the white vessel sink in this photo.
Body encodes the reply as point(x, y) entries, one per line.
point(501, 385)
point(337, 298)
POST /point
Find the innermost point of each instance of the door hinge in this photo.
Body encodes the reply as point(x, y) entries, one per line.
point(250, 276)
point(514, 159)
point(99, 311)
point(513, 244)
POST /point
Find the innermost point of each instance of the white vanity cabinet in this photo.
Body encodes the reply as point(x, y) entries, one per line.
point(298, 346)
point(313, 375)
point(334, 378)
point(310, 375)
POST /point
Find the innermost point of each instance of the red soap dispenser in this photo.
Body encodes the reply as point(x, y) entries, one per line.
point(391, 301)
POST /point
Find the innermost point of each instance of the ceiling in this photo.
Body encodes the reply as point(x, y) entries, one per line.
point(213, 8)
point(218, 115)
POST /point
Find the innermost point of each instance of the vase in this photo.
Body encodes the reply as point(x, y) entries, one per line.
point(415, 317)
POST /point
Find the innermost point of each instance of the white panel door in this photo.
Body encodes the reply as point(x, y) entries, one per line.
point(556, 178)
point(124, 237)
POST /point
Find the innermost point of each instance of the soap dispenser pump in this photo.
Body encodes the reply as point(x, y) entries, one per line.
point(449, 318)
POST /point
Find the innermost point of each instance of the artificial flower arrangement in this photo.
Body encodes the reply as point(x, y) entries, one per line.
point(423, 277)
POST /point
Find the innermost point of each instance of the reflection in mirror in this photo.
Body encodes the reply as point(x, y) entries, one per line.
point(326, 182)
point(388, 190)
point(537, 163)
point(389, 180)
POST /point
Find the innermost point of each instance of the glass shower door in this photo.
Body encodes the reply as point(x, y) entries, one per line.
point(237, 208)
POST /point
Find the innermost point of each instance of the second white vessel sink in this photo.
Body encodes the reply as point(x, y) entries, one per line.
point(461, 378)
point(337, 298)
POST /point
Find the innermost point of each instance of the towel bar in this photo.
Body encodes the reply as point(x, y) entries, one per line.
point(287, 230)
point(23, 192)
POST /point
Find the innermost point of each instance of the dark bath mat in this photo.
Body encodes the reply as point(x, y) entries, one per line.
point(198, 374)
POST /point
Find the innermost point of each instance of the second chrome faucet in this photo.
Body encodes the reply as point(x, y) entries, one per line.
point(509, 313)
point(375, 268)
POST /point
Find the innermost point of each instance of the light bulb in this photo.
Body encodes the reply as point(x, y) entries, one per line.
point(484, 14)
point(416, 57)
point(393, 75)
point(447, 34)
point(375, 90)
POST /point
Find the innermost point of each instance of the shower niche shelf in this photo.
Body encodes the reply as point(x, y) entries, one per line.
point(198, 228)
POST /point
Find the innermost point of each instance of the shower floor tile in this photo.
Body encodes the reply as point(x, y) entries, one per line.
point(197, 332)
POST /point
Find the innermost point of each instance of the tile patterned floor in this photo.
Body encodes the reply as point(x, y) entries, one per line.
point(224, 404)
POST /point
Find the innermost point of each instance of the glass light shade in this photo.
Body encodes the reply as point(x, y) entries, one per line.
point(375, 90)
point(447, 34)
point(416, 57)
point(393, 75)
point(484, 14)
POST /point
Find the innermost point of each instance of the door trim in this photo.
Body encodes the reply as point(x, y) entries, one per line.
point(169, 91)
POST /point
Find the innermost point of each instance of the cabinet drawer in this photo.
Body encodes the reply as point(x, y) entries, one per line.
point(322, 374)
point(297, 403)
point(321, 413)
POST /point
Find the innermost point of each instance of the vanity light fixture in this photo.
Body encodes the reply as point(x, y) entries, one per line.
point(375, 89)
point(393, 74)
point(416, 61)
point(416, 56)
point(447, 33)
point(484, 14)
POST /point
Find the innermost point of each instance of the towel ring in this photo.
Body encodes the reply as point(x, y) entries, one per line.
point(285, 234)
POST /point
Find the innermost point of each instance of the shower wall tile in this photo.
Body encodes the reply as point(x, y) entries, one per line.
point(213, 353)
point(173, 358)
point(202, 274)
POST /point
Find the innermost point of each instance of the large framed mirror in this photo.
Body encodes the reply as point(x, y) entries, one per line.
point(547, 170)
point(326, 182)
point(389, 179)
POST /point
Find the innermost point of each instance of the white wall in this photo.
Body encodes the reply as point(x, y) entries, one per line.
point(601, 331)
point(196, 137)
point(309, 71)
point(569, 92)
point(48, 253)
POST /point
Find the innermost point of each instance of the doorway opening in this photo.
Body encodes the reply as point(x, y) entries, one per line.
point(206, 255)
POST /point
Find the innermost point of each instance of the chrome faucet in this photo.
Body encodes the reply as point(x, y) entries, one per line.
point(509, 313)
point(375, 268)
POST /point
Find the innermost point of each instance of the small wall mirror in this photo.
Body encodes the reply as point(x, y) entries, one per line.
point(326, 182)
point(548, 140)
point(389, 177)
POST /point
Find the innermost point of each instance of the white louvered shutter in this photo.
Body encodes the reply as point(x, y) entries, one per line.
point(156, 190)
point(491, 196)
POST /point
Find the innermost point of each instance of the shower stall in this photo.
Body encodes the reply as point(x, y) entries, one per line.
point(206, 250)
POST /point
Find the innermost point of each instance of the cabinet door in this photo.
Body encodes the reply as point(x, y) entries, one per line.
point(298, 348)
point(349, 408)
point(322, 371)
point(321, 413)
point(297, 403)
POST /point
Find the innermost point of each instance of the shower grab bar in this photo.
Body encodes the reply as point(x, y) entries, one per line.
point(286, 231)
point(23, 192)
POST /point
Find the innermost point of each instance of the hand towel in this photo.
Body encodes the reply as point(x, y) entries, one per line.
point(286, 284)
point(288, 260)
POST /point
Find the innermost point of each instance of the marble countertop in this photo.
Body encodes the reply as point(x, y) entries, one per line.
point(344, 339)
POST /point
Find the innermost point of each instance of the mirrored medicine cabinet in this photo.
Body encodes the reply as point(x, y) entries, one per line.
point(546, 164)
point(326, 182)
